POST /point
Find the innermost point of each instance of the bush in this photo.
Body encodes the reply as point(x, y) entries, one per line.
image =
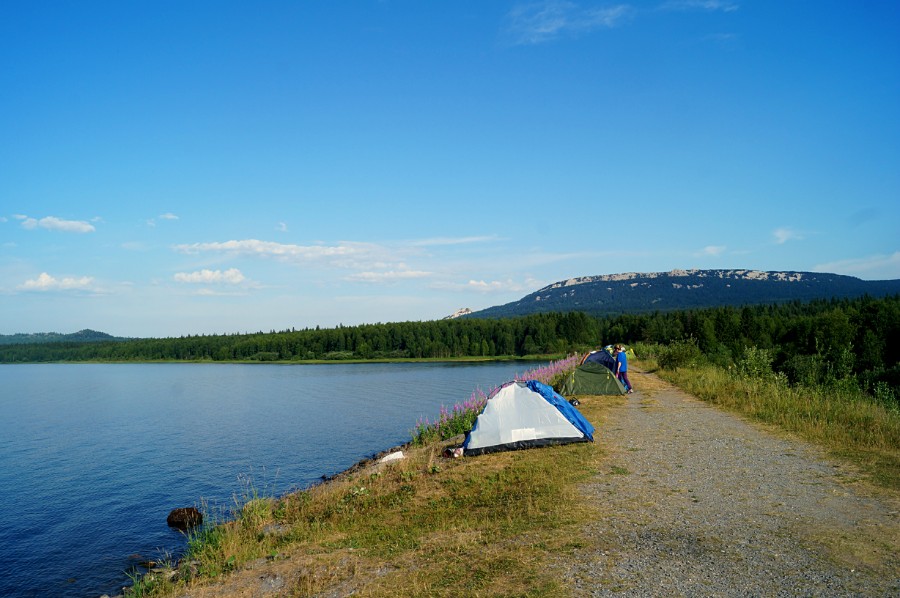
point(885, 395)
point(804, 370)
point(756, 363)
point(679, 354)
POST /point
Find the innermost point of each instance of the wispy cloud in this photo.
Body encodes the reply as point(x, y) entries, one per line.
point(281, 227)
point(230, 276)
point(387, 277)
point(540, 22)
point(436, 241)
point(884, 267)
point(707, 5)
point(784, 234)
point(489, 286)
point(167, 216)
point(712, 250)
point(45, 282)
point(347, 255)
point(54, 223)
point(283, 251)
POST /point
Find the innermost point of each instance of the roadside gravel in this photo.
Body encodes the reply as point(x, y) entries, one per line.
point(695, 501)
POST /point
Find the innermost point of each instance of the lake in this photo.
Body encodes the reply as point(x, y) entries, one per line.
point(94, 456)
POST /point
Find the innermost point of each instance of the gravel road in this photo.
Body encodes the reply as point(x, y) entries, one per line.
point(699, 502)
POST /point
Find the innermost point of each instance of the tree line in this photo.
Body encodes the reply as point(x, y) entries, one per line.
point(853, 337)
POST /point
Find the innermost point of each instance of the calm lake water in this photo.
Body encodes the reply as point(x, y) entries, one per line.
point(94, 456)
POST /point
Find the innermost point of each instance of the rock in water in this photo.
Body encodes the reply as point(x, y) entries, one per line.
point(184, 518)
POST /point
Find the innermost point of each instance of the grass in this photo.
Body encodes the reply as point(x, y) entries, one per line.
point(845, 421)
point(422, 526)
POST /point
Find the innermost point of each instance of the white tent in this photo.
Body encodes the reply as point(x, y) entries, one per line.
point(524, 415)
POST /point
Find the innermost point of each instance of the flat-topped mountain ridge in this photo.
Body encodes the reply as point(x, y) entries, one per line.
point(635, 292)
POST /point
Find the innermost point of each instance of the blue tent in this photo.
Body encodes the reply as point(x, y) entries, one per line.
point(602, 357)
point(522, 415)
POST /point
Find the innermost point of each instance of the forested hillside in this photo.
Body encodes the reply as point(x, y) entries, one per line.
point(852, 337)
point(82, 336)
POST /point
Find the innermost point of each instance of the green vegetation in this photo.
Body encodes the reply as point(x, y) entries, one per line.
point(851, 341)
point(444, 339)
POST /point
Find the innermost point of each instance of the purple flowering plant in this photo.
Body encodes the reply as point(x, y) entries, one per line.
point(461, 417)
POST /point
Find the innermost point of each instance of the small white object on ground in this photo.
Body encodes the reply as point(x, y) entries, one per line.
point(392, 457)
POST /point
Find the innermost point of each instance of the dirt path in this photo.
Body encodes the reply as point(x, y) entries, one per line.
point(699, 502)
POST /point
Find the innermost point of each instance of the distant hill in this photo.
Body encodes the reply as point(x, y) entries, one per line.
point(634, 292)
point(82, 336)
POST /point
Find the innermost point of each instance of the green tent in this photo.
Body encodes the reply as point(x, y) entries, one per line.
point(592, 378)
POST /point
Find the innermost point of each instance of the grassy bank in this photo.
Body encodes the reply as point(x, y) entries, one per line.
point(439, 526)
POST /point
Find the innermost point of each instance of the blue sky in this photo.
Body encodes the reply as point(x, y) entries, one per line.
point(171, 168)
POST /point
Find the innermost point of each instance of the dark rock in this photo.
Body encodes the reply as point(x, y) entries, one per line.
point(184, 518)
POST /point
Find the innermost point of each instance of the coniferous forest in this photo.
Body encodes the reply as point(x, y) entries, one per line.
point(808, 341)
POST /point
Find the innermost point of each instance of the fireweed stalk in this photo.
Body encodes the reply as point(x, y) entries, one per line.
point(552, 373)
point(451, 422)
point(461, 417)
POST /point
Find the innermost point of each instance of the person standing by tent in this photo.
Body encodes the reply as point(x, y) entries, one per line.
point(622, 368)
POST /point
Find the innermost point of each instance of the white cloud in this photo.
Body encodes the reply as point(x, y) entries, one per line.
point(266, 248)
point(281, 227)
point(487, 287)
point(784, 234)
point(544, 21)
point(45, 282)
point(493, 286)
point(713, 250)
point(230, 276)
point(873, 267)
point(54, 223)
point(167, 216)
point(390, 276)
point(343, 255)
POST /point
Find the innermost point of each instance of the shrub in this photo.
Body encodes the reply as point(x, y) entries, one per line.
point(756, 363)
point(679, 354)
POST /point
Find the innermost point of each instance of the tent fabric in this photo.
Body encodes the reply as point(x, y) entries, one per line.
point(628, 351)
point(592, 378)
point(601, 356)
point(522, 415)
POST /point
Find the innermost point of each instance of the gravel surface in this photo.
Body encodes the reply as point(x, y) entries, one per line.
point(695, 501)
